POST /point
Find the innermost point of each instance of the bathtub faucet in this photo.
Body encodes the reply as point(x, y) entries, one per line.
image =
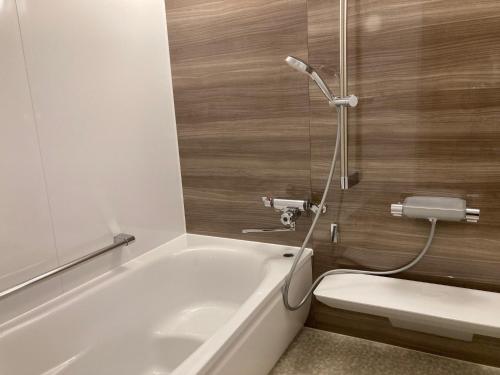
point(290, 210)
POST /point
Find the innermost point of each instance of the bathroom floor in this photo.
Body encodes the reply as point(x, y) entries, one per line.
point(320, 352)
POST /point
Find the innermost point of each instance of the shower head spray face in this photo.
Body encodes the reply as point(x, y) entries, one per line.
point(299, 65)
point(305, 68)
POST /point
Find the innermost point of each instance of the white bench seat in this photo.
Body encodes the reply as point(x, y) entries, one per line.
point(431, 308)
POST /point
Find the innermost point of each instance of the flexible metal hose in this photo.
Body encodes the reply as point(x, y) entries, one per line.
point(289, 277)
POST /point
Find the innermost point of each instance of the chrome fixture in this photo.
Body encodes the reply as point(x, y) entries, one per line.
point(121, 239)
point(290, 210)
point(288, 218)
point(282, 204)
point(334, 233)
point(303, 67)
point(439, 208)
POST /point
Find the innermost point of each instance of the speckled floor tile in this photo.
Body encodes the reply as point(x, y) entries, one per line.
point(323, 353)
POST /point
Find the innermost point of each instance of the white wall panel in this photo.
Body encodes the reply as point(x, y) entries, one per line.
point(26, 237)
point(101, 87)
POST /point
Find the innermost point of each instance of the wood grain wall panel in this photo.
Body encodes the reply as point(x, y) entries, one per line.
point(427, 75)
point(242, 113)
point(420, 128)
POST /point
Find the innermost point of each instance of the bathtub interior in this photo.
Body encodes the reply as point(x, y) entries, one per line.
point(144, 318)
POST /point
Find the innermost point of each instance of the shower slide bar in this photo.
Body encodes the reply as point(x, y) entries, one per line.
point(346, 180)
point(121, 239)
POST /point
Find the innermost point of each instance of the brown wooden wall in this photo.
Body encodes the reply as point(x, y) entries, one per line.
point(242, 114)
point(428, 77)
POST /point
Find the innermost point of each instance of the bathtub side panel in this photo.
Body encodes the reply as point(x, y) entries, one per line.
point(261, 345)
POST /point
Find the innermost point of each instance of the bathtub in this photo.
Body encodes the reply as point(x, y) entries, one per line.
point(195, 305)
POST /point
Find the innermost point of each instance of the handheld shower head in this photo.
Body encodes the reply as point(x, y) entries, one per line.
point(299, 65)
point(303, 67)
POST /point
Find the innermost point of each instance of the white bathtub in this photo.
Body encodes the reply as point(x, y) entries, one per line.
point(196, 305)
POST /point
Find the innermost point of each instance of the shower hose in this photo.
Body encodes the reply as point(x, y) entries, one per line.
point(338, 271)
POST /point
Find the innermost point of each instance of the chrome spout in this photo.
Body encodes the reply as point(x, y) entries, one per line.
point(268, 230)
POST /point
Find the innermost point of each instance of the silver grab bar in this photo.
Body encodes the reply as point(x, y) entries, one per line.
point(121, 239)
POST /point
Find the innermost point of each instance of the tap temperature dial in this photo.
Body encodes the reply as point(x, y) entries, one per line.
point(289, 216)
